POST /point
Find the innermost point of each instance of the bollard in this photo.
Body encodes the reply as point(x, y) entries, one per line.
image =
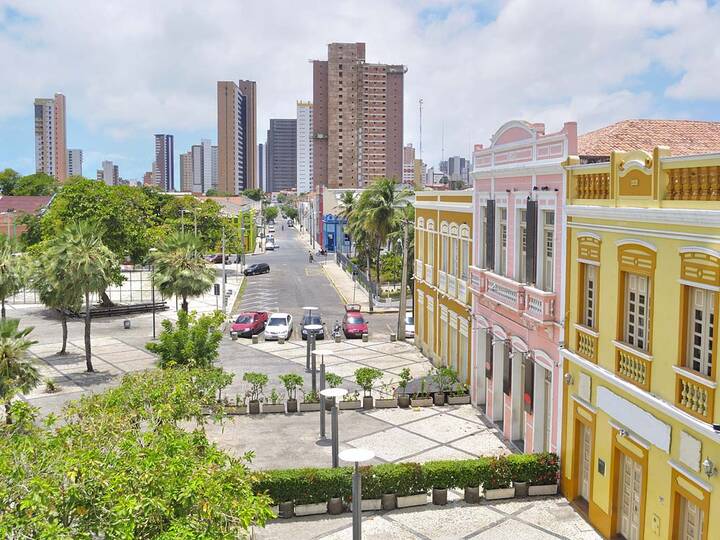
point(281, 341)
point(365, 338)
point(126, 324)
point(337, 339)
point(255, 340)
point(233, 336)
point(393, 337)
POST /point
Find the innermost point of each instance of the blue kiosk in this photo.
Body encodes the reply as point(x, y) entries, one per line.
point(334, 237)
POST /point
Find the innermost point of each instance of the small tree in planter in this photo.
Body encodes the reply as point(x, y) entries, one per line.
point(365, 378)
point(421, 397)
point(274, 403)
point(388, 400)
point(333, 381)
point(499, 477)
point(257, 382)
point(403, 397)
point(351, 400)
point(310, 402)
point(292, 382)
point(444, 377)
point(460, 394)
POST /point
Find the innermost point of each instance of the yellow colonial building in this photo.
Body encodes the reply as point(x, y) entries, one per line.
point(640, 440)
point(443, 251)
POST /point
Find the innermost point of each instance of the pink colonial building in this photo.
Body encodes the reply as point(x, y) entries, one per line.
point(517, 282)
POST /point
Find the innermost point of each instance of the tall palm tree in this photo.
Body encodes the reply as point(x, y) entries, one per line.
point(11, 271)
point(16, 373)
point(180, 270)
point(88, 266)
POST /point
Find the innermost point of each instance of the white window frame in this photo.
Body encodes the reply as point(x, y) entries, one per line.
point(700, 311)
point(521, 243)
point(590, 284)
point(547, 257)
point(636, 311)
point(482, 238)
point(501, 232)
point(431, 324)
point(465, 252)
point(454, 255)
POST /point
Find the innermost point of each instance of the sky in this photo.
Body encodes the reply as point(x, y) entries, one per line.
point(131, 69)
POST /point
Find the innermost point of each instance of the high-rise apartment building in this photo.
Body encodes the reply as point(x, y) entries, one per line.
point(74, 162)
point(304, 146)
point(50, 137)
point(164, 166)
point(261, 167)
point(186, 172)
point(110, 174)
point(408, 176)
point(357, 118)
point(282, 155)
point(458, 169)
point(237, 136)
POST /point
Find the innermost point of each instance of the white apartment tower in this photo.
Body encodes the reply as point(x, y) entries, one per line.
point(74, 162)
point(304, 146)
point(50, 137)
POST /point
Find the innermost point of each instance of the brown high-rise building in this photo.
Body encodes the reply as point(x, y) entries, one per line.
point(50, 137)
point(357, 118)
point(237, 136)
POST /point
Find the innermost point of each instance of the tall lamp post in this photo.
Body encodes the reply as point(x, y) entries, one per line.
point(308, 345)
point(403, 284)
point(322, 353)
point(152, 285)
point(312, 329)
point(334, 394)
point(357, 456)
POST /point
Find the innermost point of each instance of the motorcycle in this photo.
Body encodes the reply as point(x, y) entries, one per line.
point(337, 330)
point(310, 257)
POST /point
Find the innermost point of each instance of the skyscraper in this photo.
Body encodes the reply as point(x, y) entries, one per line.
point(74, 162)
point(110, 174)
point(357, 118)
point(261, 166)
point(237, 136)
point(281, 155)
point(202, 166)
point(164, 166)
point(304, 146)
point(186, 172)
point(50, 137)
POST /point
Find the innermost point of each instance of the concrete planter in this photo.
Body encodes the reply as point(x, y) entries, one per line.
point(233, 410)
point(309, 407)
point(404, 401)
point(412, 500)
point(335, 506)
point(439, 496)
point(350, 404)
point(472, 495)
point(285, 509)
point(502, 493)
point(292, 405)
point(421, 402)
point(310, 509)
point(367, 402)
point(273, 408)
point(459, 400)
point(371, 505)
point(389, 501)
point(390, 403)
point(550, 489)
point(521, 489)
point(439, 399)
point(254, 407)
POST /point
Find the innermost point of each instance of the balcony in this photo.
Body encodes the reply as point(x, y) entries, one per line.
point(694, 394)
point(592, 186)
point(477, 279)
point(442, 281)
point(429, 273)
point(539, 305)
point(418, 269)
point(586, 343)
point(633, 366)
point(505, 290)
point(451, 285)
point(462, 290)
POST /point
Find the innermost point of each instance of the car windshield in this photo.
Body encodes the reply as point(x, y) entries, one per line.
point(355, 320)
point(277, 321)
point(409, 319)
point(315, 319)
point(244, 319)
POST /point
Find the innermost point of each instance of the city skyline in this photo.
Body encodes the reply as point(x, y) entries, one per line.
point(112, 117)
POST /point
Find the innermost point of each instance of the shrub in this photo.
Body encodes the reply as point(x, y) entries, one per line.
point(403, 479)
point(470, 472)
point(257, 382)
point(333, 380)
point(545, 469)
point(292, 382)
point(192, 342)
point(305, 486)
point(444, 377)
point(442, 474)
point(405, 378)
point(499, 473)
point(366, 377)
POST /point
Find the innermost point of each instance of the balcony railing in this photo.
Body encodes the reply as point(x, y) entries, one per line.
point(462, 290)
point(693, 184)
point(505, 290)
point(586, 343)
point(442, 281)
point(694, 394)
point(477, 279)
point(451, 285)
point(429, 273)
point(418, 269)
point(592, 186)
point(632, 366)
point(539, 305)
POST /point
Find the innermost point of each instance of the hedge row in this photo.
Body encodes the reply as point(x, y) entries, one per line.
point(311, 485)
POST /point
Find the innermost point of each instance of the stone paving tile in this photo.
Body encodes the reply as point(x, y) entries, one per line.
point(137, 365)
point(450, 522)
point(393, 444)
point(416, 370)
point(392, 348)
point(374, 527)
point(402, 416)
point(386, 362)
point(440, 452)
point(444, 428)
point(294, 352)
point(346, 370)
point(513, 529)
point(126, 356)
point(556, 516)
point(482, 444)
point(112, 348)
point(417, 356)
point(467, 412)
point(358, 354)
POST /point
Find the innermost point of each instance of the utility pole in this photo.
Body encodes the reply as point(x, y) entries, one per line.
point(403, 285)
point(224, 299)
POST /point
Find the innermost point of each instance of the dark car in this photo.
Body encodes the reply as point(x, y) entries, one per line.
point(257, 268)
point(250, 323)
point(354, 324)
point(312, 319)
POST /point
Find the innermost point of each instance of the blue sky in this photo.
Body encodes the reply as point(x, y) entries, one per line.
point(133, 69)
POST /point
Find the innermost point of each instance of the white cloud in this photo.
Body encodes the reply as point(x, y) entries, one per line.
point(132, 68)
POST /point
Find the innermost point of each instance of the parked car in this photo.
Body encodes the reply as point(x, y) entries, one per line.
point(312, 319)
point(271, 228)
point(269, 245)
point(279, 326)
point(353, 323)
point(409, 324)
point(257, 268)
point(248, 324)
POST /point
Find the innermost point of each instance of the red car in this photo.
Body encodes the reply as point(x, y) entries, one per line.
point(249, 324)
point(354, 324)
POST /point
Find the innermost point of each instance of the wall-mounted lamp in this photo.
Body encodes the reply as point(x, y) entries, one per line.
point(709, 467)
point(569, 379)
point(623, 433)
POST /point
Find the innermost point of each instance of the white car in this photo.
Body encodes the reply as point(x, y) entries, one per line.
point(279, 325)
point(409, 324)
point(270, 245)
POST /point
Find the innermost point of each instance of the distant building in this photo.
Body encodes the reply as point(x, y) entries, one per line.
point(418, 173)
point(282, 155)
point(148, 179)
point(186, 172)
point(458, 169)
point(408, 176)
point(443, 166)
point(304, 146)
point(237, 136)
point(261, 167)
point(74, 162)
point(357, 118)
point(109, 173)
point(13, 207)
point(50, 137)
point(164, 162)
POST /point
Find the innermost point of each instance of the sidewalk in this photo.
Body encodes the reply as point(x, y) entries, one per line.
point(351, 292)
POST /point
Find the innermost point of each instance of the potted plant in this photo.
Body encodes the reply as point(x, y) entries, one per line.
point(333, 381)
point(443, 376)
point(365, 378)
point(498, 479)
point(238, 407)
point(460, 394)
point(403, 397)
point(440, 475)
point(470, 475)
point(351, 400)
point(257, 382)
point(421, 398)
point(387, 402)
point(310, 402)
point(371, 486)
point(411, 486)
point(274, 403)
point(544, 477)
point(292, 382)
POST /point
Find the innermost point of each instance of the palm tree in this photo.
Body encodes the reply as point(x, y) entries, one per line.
point(16, 373)
point(11, 271)
point(180, 270)
point(88, 266)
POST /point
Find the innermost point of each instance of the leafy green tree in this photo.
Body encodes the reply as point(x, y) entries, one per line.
point(36, 184)
point(12, 270)
point(270, 212)
point(8, 181)
point(192, 342)
point(180, 270)
point(88, 267)
point(254, 194)
point(17, 374)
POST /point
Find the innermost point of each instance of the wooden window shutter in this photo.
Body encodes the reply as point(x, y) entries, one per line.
point(531, 235)
point(490, 236)
point(507, 370)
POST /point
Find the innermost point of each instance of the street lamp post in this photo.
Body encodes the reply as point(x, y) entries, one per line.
point(357, 456)
point(308, 345)
point(322, 353)
point(334, 394)
point(312, 329)
point(224, 301)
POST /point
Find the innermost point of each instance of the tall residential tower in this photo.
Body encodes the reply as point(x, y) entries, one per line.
point(281, 155)
point(304, 147)
point(50, 137)
point(164, 166)
point(237, 136)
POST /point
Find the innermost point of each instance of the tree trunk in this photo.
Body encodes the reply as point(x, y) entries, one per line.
point(8, 419)
point(105, 299)
point(88, 352)
point(185, 304)
point(3, 308)
point(370, 295)
point(63, 321)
